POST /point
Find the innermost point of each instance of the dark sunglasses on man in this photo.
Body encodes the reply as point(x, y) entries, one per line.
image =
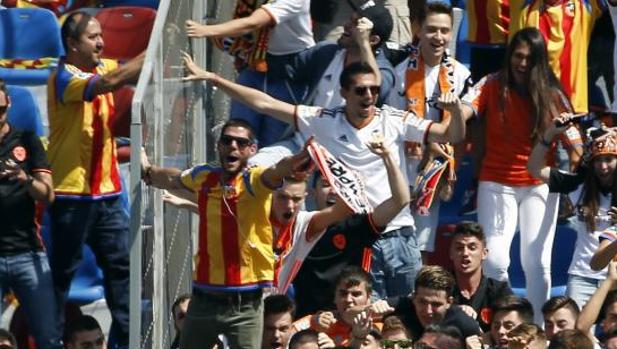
point(240, 141)
point(361, 90)
point(402, 343)
point(3, 109)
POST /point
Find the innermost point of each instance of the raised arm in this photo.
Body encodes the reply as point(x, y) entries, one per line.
point(296, 165)
point(362, 36)
point(235, 27)
point(125, 74)
point(459, 114)
point(251, 97)
point(387, 210)
point(591, 310)
point(606, 251)
point(536, 165)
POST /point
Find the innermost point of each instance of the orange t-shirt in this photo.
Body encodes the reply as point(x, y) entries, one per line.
point(508, 133)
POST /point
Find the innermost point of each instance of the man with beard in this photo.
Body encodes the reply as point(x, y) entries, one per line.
point(234, 254)
point(87, 183)
point(473, 292)
point(345, 131)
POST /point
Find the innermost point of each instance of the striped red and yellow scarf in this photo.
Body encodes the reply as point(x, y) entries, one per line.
point(250, 49)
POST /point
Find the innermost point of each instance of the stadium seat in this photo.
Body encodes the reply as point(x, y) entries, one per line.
point(29, 44)
point(126, 30)
point(153, 4)
point(24, 112)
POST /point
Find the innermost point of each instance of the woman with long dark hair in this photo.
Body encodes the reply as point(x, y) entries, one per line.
point(592, 190)
point(517, 104)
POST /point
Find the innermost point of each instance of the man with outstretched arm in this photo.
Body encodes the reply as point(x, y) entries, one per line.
point(234, 260)
point(344, 131)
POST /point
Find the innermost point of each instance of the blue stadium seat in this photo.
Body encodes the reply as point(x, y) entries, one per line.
point(28, 33)
point(24, 112)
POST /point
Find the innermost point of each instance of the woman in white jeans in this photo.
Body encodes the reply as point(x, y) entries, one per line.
point(516, 105)
point(592, 189)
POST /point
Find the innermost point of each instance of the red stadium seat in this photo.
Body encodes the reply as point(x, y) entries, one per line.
point(126, 30)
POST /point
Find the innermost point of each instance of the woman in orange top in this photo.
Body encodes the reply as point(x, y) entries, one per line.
point(517, 104)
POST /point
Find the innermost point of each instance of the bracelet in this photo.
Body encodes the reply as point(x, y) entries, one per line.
point(544, 142)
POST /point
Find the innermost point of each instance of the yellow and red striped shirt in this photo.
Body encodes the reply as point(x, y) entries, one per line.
point(488, 21)
point(82, 151)
point(566, 27)
point(235, 235)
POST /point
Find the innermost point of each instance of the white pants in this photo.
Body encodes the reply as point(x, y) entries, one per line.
point(500, 208)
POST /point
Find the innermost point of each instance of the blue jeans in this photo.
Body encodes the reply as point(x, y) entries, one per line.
point(267, 129)
point(29, 276)
point(104, 226)
point(395, 263)
point(581, 288)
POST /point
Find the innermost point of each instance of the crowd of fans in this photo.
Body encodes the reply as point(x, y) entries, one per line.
point(301, 253)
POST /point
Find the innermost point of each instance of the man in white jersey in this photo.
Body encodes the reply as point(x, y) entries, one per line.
point(422, 77)
point(344, 131)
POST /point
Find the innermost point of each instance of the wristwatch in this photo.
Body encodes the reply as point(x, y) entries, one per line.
point(29, 180)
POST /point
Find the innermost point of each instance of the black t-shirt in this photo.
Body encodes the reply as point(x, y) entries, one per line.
point(566, 182)
point(345, 243)
point(20, 217)
point(489, 291)
point(404, 308)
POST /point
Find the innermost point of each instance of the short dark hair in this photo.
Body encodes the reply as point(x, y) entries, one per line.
point(352, 275)
point(7, 335)
point(278, 304)
point(352, 70)
point(610, 299)
point(303, 337)
point(449, 336)
point(469, 228)
point(558, 302)
point(382, 21)
point(571, 339)
point(437, 7)
point(435, 277)
point(517, 304)
point(82, 324)
point(233, 122)
point(74, 25)
point(181, 299)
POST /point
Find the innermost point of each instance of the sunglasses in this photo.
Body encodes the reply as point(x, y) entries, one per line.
point(402, 343)
point(361, 90)
point(240, 141)
point(3, 109)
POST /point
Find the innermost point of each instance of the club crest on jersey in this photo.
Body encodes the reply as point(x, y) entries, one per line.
point(19, 153)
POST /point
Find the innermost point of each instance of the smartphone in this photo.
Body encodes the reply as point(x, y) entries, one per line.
point(575, 119)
